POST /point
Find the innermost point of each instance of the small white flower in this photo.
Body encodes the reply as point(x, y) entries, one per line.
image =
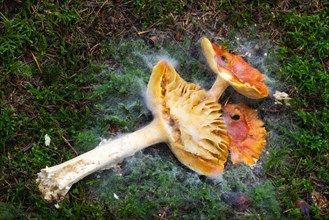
point(265, 54)
point(281, 98)
point(57, 206)
point(115, 196)
point(47, 140)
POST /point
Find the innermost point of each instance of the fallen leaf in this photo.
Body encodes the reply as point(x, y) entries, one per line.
point(236, 200)
point(321, 202)
point(154, 39)
point(304, 207)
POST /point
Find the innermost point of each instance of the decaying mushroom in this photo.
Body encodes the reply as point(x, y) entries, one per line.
point(232, 70)
point(246, 132)
point(183, 117)
point(197, 132)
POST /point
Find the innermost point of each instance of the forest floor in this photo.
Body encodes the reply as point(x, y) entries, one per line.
point(76, 71)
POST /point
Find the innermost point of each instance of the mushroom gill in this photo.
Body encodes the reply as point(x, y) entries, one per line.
point(198, 137)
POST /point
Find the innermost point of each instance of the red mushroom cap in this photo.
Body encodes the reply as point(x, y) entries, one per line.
point(246, 132)
point(234, 70)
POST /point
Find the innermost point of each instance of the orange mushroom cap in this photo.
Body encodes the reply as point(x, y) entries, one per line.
point(234, 70)
point(246, 132)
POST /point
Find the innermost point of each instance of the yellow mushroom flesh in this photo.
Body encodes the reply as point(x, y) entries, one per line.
point(197, 134)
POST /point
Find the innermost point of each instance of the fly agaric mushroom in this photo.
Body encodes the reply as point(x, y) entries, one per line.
point(246, 132)
point(232, 70)
point(183, 117)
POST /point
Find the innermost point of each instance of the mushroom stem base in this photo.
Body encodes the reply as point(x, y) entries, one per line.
point(54, 182)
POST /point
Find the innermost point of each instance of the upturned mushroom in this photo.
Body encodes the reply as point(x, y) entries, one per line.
point(183, 117)
point(232, 70)
point(246, 132)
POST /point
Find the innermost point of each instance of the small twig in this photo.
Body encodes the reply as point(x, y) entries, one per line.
point(144, 32)
point(297, 167)
point(9, 157)
point(28, 147)
point(286, 211)
point(36, 61)
point(274, 111)
point(164, 213)
point(271, 175)
point(154, 24)
point(92, 21)
point(68, 143)
point(324, 66)
point(91, 50)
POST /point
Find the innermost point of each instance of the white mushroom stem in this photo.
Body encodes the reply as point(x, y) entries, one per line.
point(55, 182)
point(217, 88)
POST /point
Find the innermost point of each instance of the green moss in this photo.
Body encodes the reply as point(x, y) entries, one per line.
point(303, 57)
point(158, 10)
point(263, 198)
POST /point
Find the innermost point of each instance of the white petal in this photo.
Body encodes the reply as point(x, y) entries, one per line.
point(47, 140)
